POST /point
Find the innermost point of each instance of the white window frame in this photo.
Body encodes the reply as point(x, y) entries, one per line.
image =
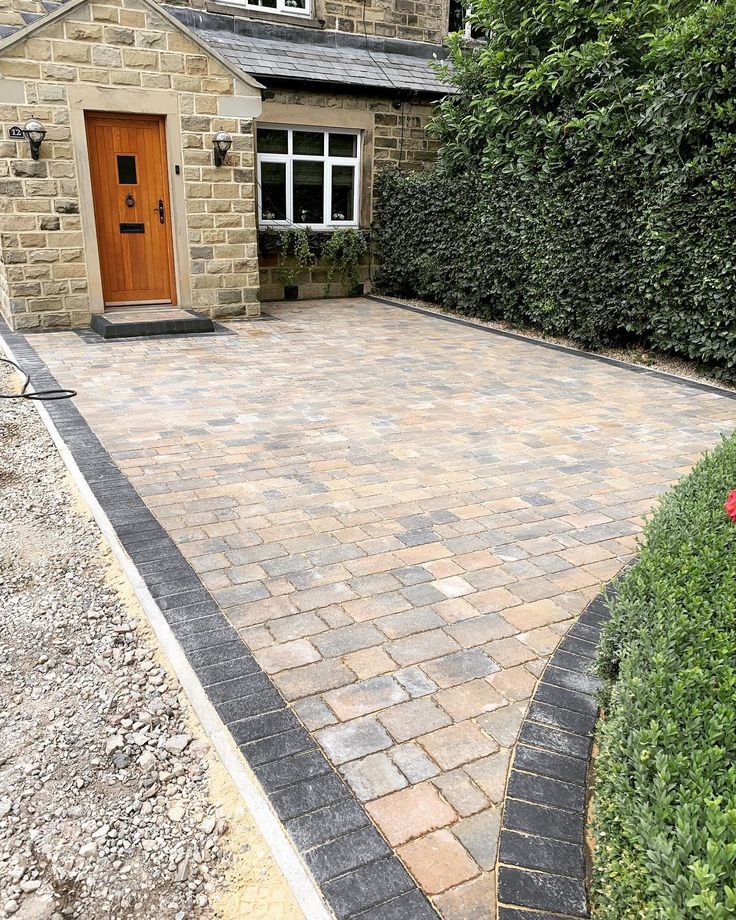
point(468, 31)
point(281, 8)
point(290, 158)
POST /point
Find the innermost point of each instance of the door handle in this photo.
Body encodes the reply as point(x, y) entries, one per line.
point(161, 212)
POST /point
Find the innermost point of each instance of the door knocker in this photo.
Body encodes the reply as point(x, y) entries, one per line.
point(129, 200)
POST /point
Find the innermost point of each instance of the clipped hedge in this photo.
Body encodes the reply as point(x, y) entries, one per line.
point(587, 182)
point(581, 254)
point(665, 790)
point(505, 249)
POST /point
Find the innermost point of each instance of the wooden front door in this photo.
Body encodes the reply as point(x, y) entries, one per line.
point(130, 188)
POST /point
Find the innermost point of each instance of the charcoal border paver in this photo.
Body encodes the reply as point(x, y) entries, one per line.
point(541, 865)
point(315, 804)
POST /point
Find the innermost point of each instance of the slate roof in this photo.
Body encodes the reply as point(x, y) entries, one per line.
point(316, 63)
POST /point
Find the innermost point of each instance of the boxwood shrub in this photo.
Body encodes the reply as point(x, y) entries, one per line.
point(665, 787)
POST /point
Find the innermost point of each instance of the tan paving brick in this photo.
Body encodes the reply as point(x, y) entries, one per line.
point(366, 696)
point(455, 610)
point(509, 652)
point(438, 861)
point(470, 699)
point(536, 614)
point(457, 744)
point(476, 561)
point(480, 630)
point(378, 605)
point(410, 813)
point(494, 600)
point(461, 792)
point(513, 683)
point(369, 662)
point(417, 717)
point(287, 655)
point(313, 678)
point(542, 640)
point(475, 900)
point(373, 776)
point(453, 587)
point(421, 647)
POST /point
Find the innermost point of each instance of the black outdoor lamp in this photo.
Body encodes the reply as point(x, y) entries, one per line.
point(35, 132)
point(222, 143)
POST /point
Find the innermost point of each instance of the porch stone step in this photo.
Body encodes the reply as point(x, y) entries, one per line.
point(126, 323)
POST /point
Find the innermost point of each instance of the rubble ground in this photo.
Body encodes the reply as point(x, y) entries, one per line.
point(112, 804)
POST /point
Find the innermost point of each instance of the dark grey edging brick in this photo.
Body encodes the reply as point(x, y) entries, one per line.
point(541, 859)
point(357, 872)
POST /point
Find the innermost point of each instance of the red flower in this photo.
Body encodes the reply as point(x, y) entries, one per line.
point(730, 505)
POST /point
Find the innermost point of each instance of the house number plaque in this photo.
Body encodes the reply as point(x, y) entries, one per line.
point(15, 133)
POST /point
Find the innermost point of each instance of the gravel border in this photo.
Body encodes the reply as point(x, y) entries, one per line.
point(105, 784)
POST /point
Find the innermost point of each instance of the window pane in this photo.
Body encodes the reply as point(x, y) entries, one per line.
point(295, 4)
point(342, 145)
point(457, 15)
point(273, 191)
point(271, 140)
point(309, 181)
point(311, 143)
point(126, 170)
point(343, 188)
point(269, 4)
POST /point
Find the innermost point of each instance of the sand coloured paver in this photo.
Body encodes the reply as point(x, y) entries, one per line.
point(401, 517)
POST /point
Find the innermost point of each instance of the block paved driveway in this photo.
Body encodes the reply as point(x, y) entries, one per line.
point(402, 517)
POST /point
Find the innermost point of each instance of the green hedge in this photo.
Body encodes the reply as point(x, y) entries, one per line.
point(587, 183)
point(665, 789)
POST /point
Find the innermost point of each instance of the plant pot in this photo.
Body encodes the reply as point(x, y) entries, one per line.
point(357, 291)
point(291, 292)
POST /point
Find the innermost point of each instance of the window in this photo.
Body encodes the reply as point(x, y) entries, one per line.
point(126, 170)
point(308, 176)
point(460, 21)
point(290, 7)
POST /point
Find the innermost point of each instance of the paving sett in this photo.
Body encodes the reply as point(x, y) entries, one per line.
point(401, 517)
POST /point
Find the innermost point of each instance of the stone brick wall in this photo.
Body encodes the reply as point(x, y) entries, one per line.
point(410, 20)
point(413, 20)
point(414, 151)
point(311, 282)
point(117, 43)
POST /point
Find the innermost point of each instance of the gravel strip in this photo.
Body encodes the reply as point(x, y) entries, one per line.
point(641, 357)
point(105, 781)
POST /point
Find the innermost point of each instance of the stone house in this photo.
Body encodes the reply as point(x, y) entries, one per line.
point(173, 139)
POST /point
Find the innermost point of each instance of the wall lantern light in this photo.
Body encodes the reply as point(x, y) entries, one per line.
point(222, 143)
point(35, 132)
